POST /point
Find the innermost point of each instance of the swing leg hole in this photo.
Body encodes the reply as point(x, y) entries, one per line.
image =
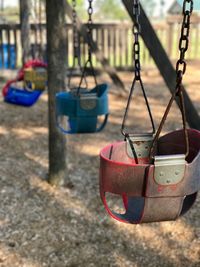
point(116, 203)
point(64, 123)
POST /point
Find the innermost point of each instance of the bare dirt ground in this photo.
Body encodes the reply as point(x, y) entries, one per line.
point(59, 227)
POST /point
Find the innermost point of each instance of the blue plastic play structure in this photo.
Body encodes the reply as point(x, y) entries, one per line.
point(7, 62)
point(79, 113)
point(22, 97)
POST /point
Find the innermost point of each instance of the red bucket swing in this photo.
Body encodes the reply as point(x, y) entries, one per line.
point(157, 177)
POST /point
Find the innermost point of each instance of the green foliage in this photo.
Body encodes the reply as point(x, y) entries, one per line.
point(114, 9)
point(79, 3)
point(11, 15)
point(111, 9)
point(81, 9)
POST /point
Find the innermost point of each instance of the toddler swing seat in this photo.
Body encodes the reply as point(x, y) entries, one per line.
point(22, 97)
point(152, 192)
point(80, 112)
point(25, 96)
point(158, 178)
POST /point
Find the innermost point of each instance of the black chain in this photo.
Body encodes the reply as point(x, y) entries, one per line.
point(137, 79)
point(89, 28)
point(89, 36)
point(136, 33)
point(75, 31)
point(181, 66)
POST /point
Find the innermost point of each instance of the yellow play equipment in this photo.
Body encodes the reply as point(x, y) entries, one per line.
point(35, 78)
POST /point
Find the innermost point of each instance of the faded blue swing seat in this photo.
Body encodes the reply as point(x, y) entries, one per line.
point(22, 97)
point(80, 112)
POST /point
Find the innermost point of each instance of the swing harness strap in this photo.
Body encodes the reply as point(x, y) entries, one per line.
point(181, 66)
point(144, 139)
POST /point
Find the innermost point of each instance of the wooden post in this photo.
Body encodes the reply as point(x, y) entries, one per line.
point(100, 56)
point(25, 7)
point(163, 63)
point(56, 54)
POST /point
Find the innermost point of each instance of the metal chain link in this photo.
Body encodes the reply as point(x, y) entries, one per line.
point(181, 64)
point(89, 28)
point(136, 32)
point(89, 36)
point(75, 31)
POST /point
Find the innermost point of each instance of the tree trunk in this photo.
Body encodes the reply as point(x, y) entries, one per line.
point(57, 58)
point(25, 10)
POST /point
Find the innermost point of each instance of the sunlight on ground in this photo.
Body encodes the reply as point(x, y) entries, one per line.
point(3, 130)
point(60, 196)
point(7, 254)
point(38, 159)
point(22, 133)
point(178, 234)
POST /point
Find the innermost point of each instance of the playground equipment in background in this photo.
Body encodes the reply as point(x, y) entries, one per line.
point(7, 56)
point(24, 96)
point(79, 110)
point(35, 78)
point(157, 177)
point(82, 110)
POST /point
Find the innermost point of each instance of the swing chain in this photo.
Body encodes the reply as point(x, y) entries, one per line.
point(137, 78)
point(75, 32)
point(180, 71)
point(89, 36)
point(136, 32)
point(89, 28)
point(184, 40)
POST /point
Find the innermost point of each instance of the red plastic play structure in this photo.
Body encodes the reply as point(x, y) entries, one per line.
point(147, 198)
point(20, 76)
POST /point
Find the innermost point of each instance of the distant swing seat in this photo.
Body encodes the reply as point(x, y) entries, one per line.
point(79, 113)
point(156, 192)
point(22, 96)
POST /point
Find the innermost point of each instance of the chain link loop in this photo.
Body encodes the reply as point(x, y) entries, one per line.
point(75, 31)
point(136, 32)
point(181, 64)
point(89, 28)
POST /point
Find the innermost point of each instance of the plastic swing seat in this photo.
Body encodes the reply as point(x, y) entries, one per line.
point(22, 97)
point(82, 111)
point(152, 192)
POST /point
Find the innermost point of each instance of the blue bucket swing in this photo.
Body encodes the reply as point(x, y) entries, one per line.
point(79, 110)
point(20, 95)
